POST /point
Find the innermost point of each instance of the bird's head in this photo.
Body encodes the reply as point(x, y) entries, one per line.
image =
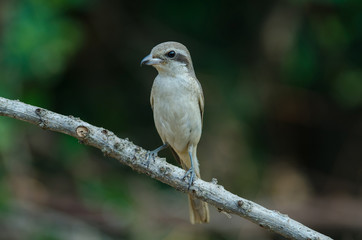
point(170, 58)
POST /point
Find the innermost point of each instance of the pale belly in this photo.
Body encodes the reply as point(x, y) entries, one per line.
point(178, 120)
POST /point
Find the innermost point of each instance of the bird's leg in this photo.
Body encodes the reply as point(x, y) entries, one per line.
point(191, 171)
point(153, 154)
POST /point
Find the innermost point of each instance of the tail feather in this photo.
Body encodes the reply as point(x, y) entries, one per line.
point(199, 211)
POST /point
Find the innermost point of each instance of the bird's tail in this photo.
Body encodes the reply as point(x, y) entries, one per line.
point(199, 210)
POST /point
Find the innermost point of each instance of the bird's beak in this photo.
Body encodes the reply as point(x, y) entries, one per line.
point(149, 60)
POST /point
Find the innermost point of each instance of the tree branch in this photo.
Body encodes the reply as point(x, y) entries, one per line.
point(134, 156)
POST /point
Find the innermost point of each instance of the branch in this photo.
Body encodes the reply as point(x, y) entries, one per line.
point(134, 156)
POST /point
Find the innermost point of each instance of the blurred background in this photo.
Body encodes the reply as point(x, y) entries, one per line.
point(282, 127)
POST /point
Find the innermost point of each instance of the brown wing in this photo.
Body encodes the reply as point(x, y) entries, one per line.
point(151, 98)
point(201, 100)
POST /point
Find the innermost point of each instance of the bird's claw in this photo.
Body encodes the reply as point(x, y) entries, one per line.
point(191, 174)
point(153, 154)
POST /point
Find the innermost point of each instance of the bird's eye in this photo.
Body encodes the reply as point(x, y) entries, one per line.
point(171, 54)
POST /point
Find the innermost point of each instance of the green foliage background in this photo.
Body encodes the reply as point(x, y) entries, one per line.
point(283, 121)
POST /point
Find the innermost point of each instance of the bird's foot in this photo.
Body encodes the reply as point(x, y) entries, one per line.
point(191, 174)
point(153, 154)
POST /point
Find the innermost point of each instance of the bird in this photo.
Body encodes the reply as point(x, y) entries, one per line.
point(177, 101)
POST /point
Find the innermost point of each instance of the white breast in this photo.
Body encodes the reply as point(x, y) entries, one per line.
point(176, 110)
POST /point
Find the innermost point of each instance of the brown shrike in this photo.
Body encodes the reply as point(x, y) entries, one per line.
point(177, 102)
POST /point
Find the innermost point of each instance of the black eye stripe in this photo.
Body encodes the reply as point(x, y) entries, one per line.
point(177, 57)
point(182, 59)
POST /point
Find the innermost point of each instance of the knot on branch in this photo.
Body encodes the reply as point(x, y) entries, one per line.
point(214, 181)
point(82, 132)
point(166, 171)
point(40, 113)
